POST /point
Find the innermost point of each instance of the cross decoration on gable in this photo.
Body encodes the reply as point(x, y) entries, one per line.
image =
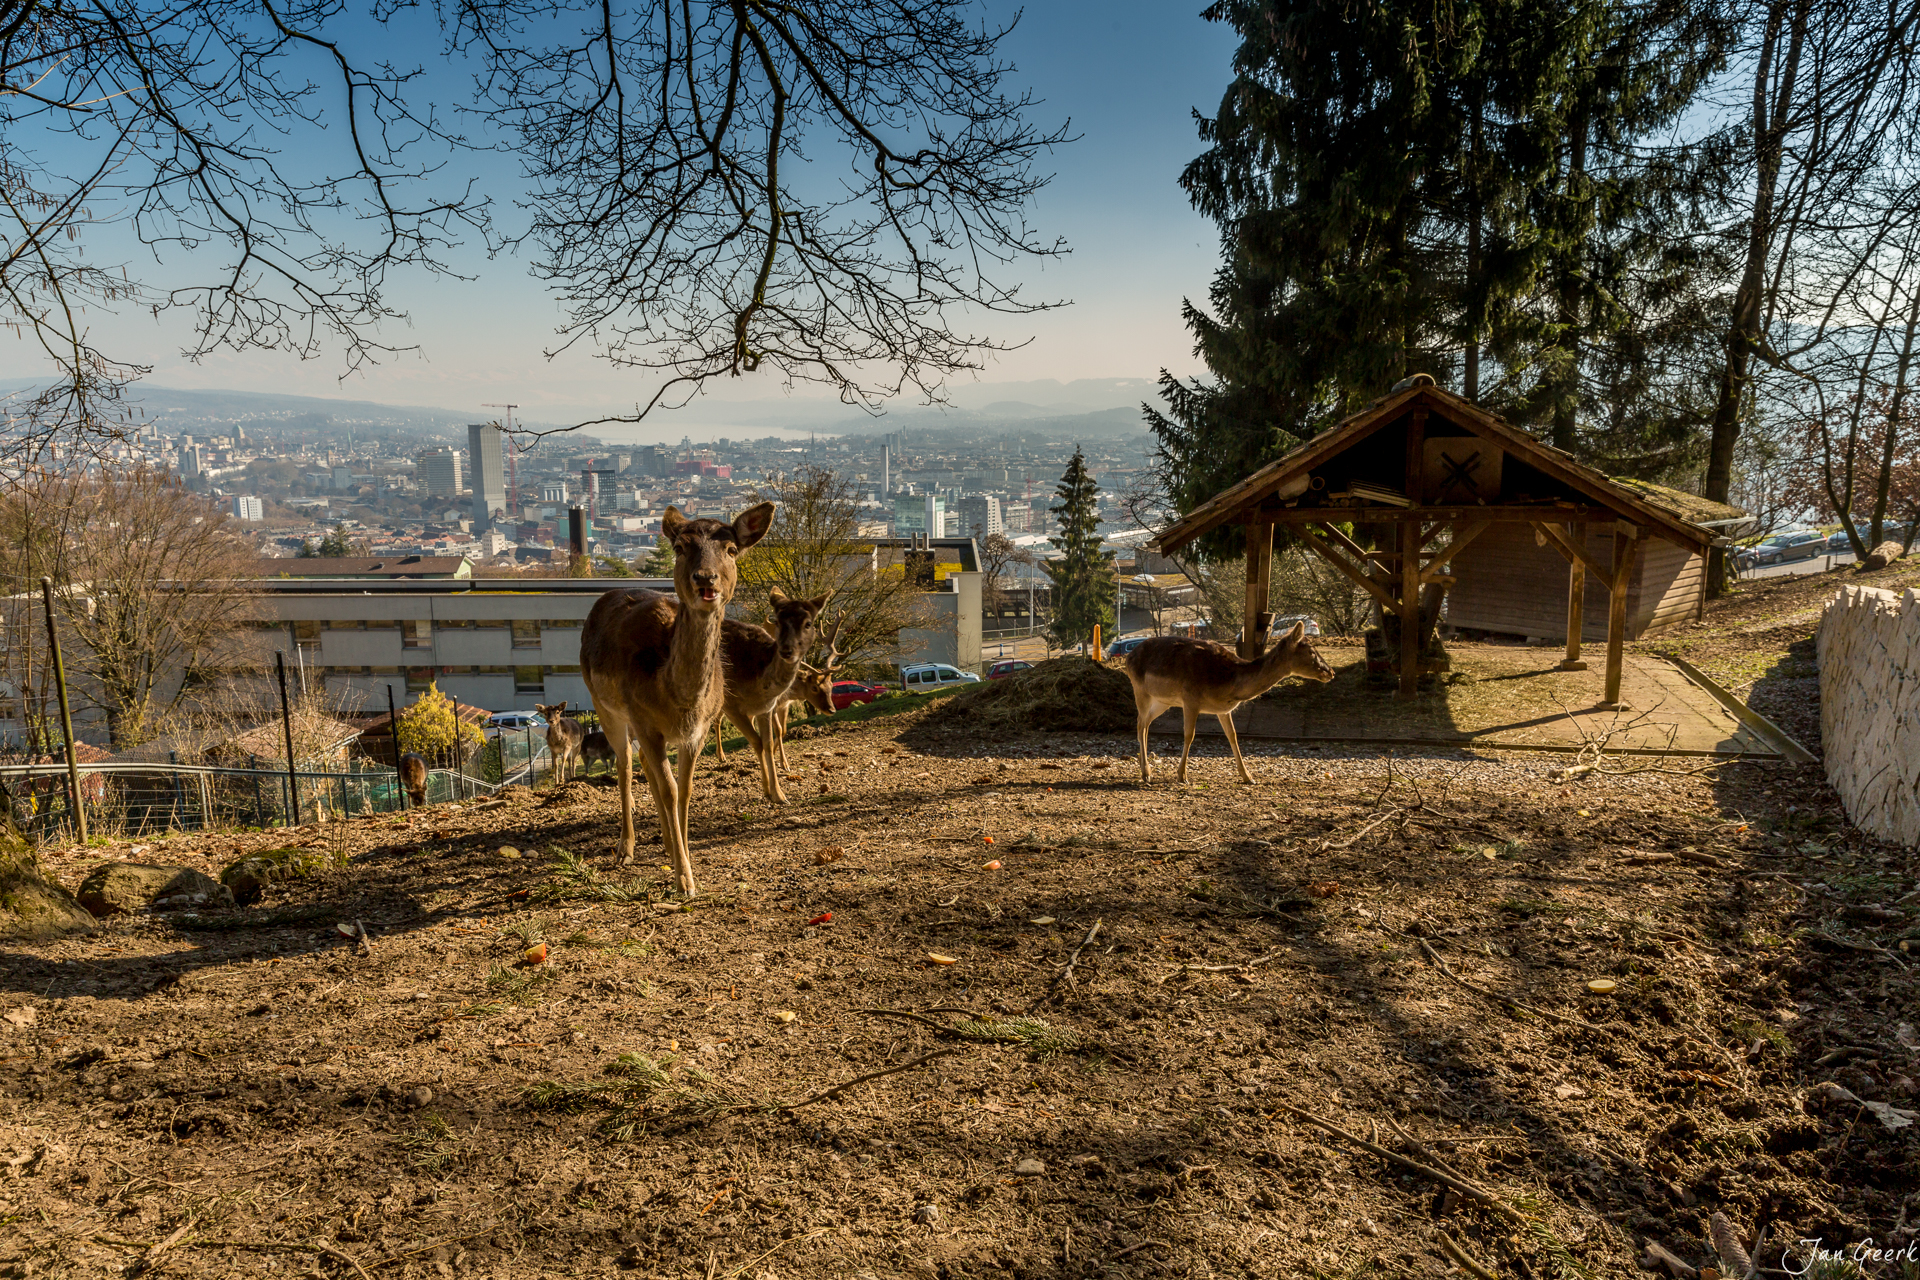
point(1458, 474)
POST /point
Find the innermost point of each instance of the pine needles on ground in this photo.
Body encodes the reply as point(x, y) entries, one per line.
point(642, 1091)
point(1035, 1034)
point(575, 880)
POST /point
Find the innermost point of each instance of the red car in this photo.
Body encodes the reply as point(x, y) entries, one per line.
point(849, 693)
point(1001, 670)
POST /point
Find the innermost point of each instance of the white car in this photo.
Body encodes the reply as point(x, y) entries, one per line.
point(515, 722)
point(928, 676)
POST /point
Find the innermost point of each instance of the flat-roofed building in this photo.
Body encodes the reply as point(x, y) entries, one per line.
point(440, 472)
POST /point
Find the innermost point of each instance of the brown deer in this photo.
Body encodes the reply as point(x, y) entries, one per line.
point(813, 686)
point(413, 777)
point(595, 748)
point(760, 669)
point(564, 737)
point(652, 664)
point(1199, 676)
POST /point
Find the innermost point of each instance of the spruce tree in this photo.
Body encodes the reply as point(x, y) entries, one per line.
point(660, 563)
point(1082, 574)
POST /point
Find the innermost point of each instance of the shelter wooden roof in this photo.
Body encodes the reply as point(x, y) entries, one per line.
point(1617, 501)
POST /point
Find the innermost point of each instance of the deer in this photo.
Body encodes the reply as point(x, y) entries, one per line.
point(813, 686)
point(564, 737)
point(413, 777)
point(760, 668)
point(652, 663)
point(1199, 676)
point(594, 748)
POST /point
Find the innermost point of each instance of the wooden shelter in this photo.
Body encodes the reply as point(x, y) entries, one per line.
point(1430, 473)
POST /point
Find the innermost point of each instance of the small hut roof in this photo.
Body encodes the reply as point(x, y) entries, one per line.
point(1420, 391)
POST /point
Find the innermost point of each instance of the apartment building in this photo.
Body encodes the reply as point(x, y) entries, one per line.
point(440, 472)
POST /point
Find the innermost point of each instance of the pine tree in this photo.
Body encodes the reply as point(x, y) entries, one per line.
point(660, 563)
point(336, 543)
point(1082, 574)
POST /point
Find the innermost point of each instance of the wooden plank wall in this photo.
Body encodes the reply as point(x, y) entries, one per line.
point(1510, 584)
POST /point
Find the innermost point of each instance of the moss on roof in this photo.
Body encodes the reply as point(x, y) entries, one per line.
point(1685, 505)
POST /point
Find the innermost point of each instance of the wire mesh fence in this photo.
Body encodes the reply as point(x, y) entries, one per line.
point(144, 798)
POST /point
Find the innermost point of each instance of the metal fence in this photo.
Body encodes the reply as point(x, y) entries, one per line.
point(140, 798)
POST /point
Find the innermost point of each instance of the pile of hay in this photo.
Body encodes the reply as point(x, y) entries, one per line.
point(1063, 693)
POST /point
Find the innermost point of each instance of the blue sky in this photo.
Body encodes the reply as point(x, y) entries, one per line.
point(1129, 75)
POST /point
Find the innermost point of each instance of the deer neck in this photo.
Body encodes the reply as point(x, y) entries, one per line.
point(1262, 674)
point(693, 654)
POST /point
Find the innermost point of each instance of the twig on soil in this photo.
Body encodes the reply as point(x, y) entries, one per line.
point(162, 1246)
point(1465, 1188)
point(1500, 999)
point(1850, 945)
point(1275, 954)
point(1066, 971)
point(744, 1267)
point(845, 1085)
point(1459, 1255)
point(1135, 1248)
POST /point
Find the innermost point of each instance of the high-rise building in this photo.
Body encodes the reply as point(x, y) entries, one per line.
point(342, 479)
point(248, 508)
point(920, 513)
point(489, 471)
point(981, 512)
point(440, 472)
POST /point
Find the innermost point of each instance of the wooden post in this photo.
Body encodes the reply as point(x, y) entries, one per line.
point(1253, 632)
point(286, 728)
point(1576, 600)
point(1625, 544)
point(1409, 594)
point(74, 799)
point(393, 732)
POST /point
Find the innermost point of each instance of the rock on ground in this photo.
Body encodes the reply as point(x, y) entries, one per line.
point(135, 886)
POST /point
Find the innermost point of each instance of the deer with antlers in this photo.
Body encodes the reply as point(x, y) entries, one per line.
point(813, 686)
point(761, 667)
point(1201, 677)
point(652, 663)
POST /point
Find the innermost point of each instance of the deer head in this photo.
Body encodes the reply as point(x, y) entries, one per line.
point(553, 713)
point(815, 684)
point(793, 622)
point(705, 554)
point(1301, 658)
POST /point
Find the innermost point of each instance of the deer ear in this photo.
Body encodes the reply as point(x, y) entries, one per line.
point(820, 602)
point(672, 522)
point(752, 524)
point(1296, 633)
point(776, 595)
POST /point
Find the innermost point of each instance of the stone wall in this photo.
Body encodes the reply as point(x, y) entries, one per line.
point(1869, 643)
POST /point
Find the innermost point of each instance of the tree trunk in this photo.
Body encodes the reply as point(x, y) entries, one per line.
point(33, 906)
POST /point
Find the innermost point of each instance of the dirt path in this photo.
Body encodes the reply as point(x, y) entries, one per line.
point(267, 1101)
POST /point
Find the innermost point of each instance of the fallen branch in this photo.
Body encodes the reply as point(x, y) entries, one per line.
point(1459, 1255)
point(845, 1085)
point(1067, 971)
point(1221, 968)
point(1506, 1000)
point(1465, 1188)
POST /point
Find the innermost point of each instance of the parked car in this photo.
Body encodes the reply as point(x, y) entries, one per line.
point(1837, 543)
point(1001, 670)
point(1283, 625)
point(1126, 645)
point(1782, 548)
point(515, 722)
point(928, 676)
point(849, 693)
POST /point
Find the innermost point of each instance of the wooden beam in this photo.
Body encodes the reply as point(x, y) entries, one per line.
point(1429, 515)
point(1576, 600)
point(1253, 634)
point(1359, 578)
point(1625, 545)
point(1415, 472)
point(1409, 609)
point(1462, 535)
point(1574, 552)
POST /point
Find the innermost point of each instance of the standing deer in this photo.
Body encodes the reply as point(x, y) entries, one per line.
point(595, 747)
point(564, 737)
point(652, 663)
point(413, 777)
point(813, 686)
point(760, 670)
point(1200, 676)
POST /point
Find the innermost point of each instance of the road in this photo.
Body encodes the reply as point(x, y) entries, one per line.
point(1813, 564)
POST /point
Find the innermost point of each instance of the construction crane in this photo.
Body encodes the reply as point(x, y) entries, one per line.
point(513, 459)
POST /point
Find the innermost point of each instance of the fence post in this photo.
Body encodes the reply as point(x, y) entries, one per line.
point(79, 809)
point(253, 763)
point(393, 730)
point(286, 728)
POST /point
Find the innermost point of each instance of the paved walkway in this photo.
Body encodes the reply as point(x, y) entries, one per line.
point(1499, 695)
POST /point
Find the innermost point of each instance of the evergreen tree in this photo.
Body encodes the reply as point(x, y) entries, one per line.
point(337, 543)
point(660, 563)
point(1082, 574)
point(307, 550)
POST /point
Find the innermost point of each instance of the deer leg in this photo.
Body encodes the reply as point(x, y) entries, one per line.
point(1144, 711)
point(653, 760)
point(777, 726)
point(623, 765)
point(1186, 747)
point(1233, 740)
point(682, 802)
point(719, 741)
point(769, 748)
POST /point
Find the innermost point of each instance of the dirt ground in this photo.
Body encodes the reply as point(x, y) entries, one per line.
point(1148, 1003)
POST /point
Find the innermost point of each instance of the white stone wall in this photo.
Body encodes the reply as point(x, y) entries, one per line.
point(1869, 642)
